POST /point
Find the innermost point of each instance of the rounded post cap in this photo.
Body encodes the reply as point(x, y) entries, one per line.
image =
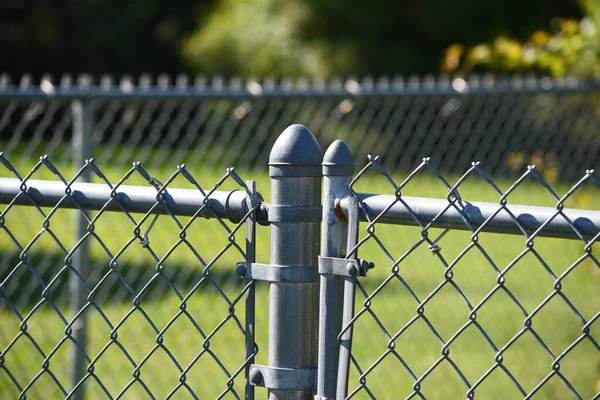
point(338, 160)
point(295, 153)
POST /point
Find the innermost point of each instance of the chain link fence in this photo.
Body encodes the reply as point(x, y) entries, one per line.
point(453, 309)
point(509, 122)
point(143, 302)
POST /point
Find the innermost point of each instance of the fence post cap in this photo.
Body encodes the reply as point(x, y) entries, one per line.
point(295, 153)
point(338, 160)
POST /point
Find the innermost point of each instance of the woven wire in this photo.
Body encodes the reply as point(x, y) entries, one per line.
point(178, 329)
point(507, 123)
point(512, 328)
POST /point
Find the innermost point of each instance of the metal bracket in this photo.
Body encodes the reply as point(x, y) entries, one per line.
point(283, 378)
point(277, 273)
point(344, 267)
point(294, 213)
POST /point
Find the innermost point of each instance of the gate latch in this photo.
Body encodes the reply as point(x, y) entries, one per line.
point(344, 266)
point(283, 378)
point(278, 273)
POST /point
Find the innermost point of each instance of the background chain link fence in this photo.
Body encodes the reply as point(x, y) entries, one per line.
point(449, 314)
point(215, 123)
point(164, 313)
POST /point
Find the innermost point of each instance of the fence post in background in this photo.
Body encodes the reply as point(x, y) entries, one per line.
point(83, 120)
point(295, 170)
point(338, 169)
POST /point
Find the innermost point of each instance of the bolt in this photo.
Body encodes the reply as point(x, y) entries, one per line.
point(366, 266)
point(351, 269)
point(240, 269)
point(255, 376)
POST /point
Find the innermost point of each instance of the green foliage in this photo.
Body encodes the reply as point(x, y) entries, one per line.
point(274, 37)
point(254, 37)
point(571, 47)
point(317, 38)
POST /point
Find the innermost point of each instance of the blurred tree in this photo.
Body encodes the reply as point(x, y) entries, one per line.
point(255, 38)
point(260, 37)
point(318, 37)
point(572, 46)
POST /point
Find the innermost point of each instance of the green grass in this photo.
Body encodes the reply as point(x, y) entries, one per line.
point(423, 271)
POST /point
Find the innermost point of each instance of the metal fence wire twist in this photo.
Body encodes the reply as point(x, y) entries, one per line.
point(160, 310)
point(474, 297)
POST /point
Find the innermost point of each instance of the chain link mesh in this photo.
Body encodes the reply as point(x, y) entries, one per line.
point(495, 315)
point(451, 314)
point(163, 311)
point(507, 122)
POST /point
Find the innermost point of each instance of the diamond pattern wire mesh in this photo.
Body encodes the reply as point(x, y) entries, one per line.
point(551, 123)
point(507, 122)
point(164, 314)
point(450, 314)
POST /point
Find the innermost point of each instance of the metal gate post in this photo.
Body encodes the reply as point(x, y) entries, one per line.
point(338, 169)
point(295, 170)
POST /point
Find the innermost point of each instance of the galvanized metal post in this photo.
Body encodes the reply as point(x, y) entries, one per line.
point(295, 170)
point(338, 169)
point(251, 200)
point(349, 296)
point(83, 121)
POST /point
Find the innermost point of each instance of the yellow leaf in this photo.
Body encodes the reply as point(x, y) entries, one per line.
point(451, 59)
point(480, 53)
point(539, 38)
point(569, 26)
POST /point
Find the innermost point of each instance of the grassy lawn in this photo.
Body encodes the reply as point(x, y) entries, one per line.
point(528, 280)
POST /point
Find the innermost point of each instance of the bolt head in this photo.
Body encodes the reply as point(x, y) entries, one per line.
point(240, 269)
point(255, 376)
point(351, 269)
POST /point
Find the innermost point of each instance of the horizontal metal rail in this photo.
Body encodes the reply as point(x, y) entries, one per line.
point(138, 199)
point(531, 218)
point(232, 205)
point(256, 90)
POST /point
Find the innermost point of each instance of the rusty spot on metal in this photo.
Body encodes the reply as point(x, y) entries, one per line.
point(339, 213)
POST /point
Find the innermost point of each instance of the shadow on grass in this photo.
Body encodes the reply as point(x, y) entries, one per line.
point(23, 283)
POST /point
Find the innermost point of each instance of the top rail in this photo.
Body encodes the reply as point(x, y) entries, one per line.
point(232, 205)
point(531, 218)
point(137, 199)
point(442, 86)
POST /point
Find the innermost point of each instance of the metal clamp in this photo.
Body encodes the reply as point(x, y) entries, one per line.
point(277, 273)
point(344, 267)
point(294, 213)
point(283, 378)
